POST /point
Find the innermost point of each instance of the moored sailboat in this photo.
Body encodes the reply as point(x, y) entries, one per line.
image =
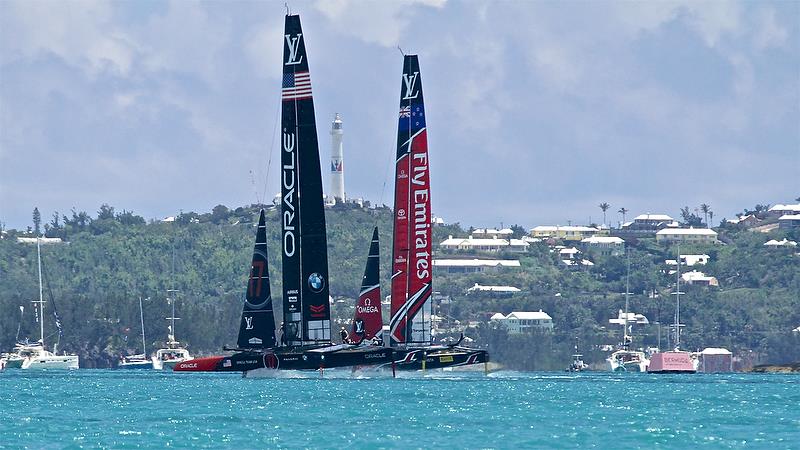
point(676, 360)
point(35, 356)
point(626, 359)
point(138, 361)
point(410, 327)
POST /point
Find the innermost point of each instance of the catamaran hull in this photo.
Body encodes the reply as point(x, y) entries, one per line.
point(51, 363)
point(438, 358)
point(313, 359)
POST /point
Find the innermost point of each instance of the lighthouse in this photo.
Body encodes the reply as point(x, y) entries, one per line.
point(337, 161)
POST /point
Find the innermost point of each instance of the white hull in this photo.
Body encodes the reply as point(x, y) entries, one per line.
point(627, 361)
point(168, 358)
point(48, 362)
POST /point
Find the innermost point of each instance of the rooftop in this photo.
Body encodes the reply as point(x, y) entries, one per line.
point(659, 217)
point(688, 231)
point(476, 263)
point(529, 315)
point(603, 240)
point(478, 287)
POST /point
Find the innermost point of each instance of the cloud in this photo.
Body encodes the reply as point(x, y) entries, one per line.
point(382, 23)
point(769, 32)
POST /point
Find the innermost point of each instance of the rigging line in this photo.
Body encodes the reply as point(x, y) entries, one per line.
point(272, 146)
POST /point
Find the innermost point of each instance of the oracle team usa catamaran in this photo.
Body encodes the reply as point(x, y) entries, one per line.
point(305, 333)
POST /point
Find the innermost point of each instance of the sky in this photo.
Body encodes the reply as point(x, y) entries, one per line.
point(537, 112)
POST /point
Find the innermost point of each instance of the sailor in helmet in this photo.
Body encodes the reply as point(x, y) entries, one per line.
point(345, 336)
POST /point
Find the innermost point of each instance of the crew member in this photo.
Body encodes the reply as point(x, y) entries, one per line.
point(345, 336)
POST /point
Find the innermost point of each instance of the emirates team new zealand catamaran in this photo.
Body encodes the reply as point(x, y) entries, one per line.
point(305, 342)
point(412, 260)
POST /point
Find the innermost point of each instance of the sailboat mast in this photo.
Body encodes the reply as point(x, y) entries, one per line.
point(141, 318)
point(678, 294)
point(627, 294)
point(41, 293)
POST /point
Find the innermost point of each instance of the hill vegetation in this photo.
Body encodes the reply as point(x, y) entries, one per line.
point(108, 261)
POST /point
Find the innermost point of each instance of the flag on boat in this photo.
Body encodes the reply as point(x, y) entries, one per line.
point(296, 86)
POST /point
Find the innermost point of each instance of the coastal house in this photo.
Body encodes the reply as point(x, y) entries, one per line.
point(686, 235)
point(42, 240)
point(604, 245)
point(782, 243)
point(632, 319)
point(492, 233)
point(567, 233)
point(519, 322)
point(649, 222)
point(747, 221)
point(474, 265)
point(689, 260)
point(788, 221)
point(783, 210)
point(471, 244)
point(699, 278)
point(494, 291)
point(570, 256)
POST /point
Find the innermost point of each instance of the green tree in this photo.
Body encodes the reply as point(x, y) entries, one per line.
point(37, 221)
point(623, 211)
point(705, 209)
point(604, 206)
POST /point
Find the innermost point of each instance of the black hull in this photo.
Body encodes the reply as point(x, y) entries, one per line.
point(438, 357)
point(314, 358)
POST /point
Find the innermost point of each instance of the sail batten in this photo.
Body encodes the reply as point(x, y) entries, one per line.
point(306, 308)
point(411, 251)
point(257, 327)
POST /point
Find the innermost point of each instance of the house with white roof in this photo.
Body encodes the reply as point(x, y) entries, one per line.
point(505, 233)
point(690, 235)
point(605, 245)
point(749, 220)
point(782, 210)
point(690, 260)
point(788, 221)
point(484, 244)
point(42, 240)
point(495, 291)
point(782, 243)
point(474, 265)
point(568, 233)
point(571, 257)
point(696, 277)
point(519, 322)
point(633, 319)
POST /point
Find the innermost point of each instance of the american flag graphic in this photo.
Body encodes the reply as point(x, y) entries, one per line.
point(296, 86)
point(405, 111)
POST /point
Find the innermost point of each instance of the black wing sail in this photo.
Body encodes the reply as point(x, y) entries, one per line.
point(306, 308)
point(257, 329)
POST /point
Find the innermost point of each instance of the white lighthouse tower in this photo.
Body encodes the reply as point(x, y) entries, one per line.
point(337, 161)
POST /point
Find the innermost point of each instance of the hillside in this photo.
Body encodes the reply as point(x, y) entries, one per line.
point(110, 261)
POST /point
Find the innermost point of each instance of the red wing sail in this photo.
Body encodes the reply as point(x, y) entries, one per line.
point(368, 321)
point(411, 258)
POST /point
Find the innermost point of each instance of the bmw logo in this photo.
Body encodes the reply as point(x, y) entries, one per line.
point(316, 282)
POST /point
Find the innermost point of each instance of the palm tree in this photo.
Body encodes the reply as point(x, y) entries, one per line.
point(705, 208)
point(623, 211)
point(604, 206)
point(710, 217)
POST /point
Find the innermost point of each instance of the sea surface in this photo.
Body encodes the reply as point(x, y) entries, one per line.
point(148, 409)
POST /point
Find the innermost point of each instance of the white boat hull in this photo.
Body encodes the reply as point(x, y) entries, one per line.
point(630, 362)
point(54, 362)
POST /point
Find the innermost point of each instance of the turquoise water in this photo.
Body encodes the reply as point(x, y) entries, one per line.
point(122, 409)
